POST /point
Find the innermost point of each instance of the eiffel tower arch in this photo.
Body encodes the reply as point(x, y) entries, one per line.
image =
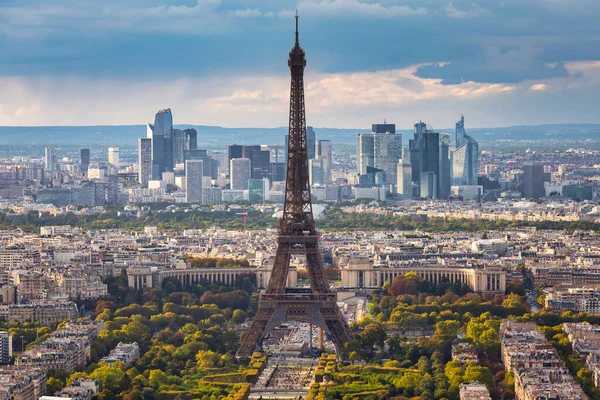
point(296, 235)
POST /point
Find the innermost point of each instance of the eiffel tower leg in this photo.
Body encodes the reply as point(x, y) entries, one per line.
point(316, 272)
point(278, 279)
point(252, 339)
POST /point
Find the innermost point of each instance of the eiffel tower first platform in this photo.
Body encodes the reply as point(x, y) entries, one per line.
point(296, 235)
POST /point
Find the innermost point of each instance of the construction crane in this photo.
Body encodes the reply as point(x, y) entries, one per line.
point(245, 214)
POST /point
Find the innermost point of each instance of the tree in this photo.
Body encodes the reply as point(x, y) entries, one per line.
point(53, 385)
point(238, 316)
point(373, 335)
point(157, 378)
point(447, 328)
point(405, 284)
point(207, 359)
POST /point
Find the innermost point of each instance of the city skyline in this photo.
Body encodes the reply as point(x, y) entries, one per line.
point(404, 71)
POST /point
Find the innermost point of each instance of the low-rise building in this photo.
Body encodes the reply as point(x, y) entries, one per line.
point(538, 370)
point(474, 391)
point(44, 312)
point(125, 353)
point(22, 383)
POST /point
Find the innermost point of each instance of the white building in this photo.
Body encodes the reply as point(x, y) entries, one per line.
point(404, 179)
point(467, 192)
point(193, 177)
point(239, 173)
point(113, 156)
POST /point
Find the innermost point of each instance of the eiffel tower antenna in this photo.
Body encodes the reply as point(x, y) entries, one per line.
point(296, 235)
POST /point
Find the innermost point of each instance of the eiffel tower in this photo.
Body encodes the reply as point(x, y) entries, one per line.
point(296, 235)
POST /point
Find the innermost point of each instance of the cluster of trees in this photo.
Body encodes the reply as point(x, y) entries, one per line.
point(183, 337)
point(218, 263)
point(109, 219)
point(442, 311)
point(337, 220)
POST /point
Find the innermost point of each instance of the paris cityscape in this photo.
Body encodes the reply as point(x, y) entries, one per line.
point(396, 259)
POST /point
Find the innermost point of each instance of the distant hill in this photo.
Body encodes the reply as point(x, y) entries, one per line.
point(215, 136)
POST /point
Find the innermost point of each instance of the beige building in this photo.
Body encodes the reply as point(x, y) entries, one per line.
point(21, 383)
point(474, 391)
point(46, 313)
point(361, 272)
point(141, 276)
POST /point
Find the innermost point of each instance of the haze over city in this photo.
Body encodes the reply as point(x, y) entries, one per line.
point(511, 62)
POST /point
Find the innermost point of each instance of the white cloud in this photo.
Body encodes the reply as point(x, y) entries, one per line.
point(475, 11)
point(539, 87)
point(338, 8)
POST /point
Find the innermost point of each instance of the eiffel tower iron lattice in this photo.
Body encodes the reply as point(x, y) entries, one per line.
point(296, 235)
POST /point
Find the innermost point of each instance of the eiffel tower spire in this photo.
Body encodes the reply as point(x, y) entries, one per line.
point(297, 235)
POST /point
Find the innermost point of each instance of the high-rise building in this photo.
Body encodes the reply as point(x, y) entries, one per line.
point(183, 140)
point(428, 185)
point(311, 142)
point(144, 160)
point(239, 173)
point(260, 161)
point(50, 158)
point(325, 153)
point(258, 190)
point(380, 149)
point(445, 166)
point(235, 151)
point(533, 180)
point(365, 152)
point(315, 170)
point(387, 152)
point(113, 156)
point(5, 347)
point(383, 128)
point(404, 179)
point(427, 154)
point(84, 160)
point(179, 146)
point(161, 134)
point(193, 177)
point(465, 157)
point(191, 139)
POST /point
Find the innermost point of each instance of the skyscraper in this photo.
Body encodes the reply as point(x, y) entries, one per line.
point(365, 152)
point(161, 134)
point(315, 169)
point(445, 167)
point(239, 173)
point(533, 180)
point(179, 146)
point(113, 156)
point(84, 160)
point(380, 149)
point(144, 160)
point(311, 142)
point(465, 157)
point(404, 179)
point(387, 149)
point(50, 158)
point(429, 153)
point(193, 177)
point(235, 151)
point(191, 139)
point(325, 153)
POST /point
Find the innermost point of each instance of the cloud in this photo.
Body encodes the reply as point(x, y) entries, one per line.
point(475, 11)
point(356, 8)
point(540, 87)
point(497, 65)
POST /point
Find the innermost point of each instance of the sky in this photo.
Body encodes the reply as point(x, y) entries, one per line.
point(224, 62)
